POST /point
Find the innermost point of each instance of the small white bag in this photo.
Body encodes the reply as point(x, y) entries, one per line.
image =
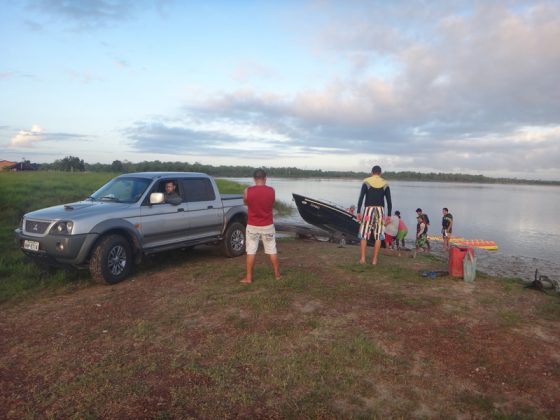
point(469, 267)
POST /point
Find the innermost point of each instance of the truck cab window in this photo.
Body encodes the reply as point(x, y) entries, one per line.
point(198, 189)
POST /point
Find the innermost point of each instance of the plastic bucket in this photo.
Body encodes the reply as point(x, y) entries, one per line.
point(456, 257)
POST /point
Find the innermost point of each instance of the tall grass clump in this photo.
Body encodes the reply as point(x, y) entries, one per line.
point(21, 193)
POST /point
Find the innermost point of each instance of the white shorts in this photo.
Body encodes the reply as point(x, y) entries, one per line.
point(255, 233)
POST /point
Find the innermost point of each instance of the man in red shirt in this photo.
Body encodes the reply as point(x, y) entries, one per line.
point(259, 200)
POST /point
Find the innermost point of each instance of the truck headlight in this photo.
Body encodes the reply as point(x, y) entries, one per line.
point(63, 227)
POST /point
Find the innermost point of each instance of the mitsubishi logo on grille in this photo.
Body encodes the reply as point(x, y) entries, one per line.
point(35, 227)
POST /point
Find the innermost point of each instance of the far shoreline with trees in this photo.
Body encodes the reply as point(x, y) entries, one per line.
point(75, 164)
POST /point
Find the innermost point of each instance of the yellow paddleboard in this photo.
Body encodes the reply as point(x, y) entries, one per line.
point(440, 238)
point(475, 243)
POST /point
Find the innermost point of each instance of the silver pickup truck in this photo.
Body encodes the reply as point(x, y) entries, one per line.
point(131, 216)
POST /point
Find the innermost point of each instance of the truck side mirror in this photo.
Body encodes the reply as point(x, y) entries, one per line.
point(156, 198)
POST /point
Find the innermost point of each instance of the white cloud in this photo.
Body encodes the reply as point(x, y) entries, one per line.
point(37, 138)
point(27, 138)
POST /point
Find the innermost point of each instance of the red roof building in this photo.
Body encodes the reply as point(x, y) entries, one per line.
point(6, 165)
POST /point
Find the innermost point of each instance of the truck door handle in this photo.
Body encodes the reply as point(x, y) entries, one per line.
point(181, 209)
point(210, 207)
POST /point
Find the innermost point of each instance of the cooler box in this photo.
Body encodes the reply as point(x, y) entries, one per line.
point(456, 257)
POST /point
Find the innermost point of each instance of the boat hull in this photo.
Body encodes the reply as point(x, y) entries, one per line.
point(328, 217)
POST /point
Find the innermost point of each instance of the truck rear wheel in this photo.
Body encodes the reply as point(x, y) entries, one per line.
point(234, 240)
point(111, 260)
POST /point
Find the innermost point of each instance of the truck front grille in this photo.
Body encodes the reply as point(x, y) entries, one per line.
point(36, 227)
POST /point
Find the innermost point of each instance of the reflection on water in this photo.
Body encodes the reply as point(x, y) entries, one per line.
point(522, 219)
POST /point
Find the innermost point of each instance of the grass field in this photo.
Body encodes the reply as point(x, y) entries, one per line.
point(183, 338)
point(22, 192)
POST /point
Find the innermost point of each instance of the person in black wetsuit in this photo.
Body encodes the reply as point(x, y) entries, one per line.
point(446, 227)
point(375, 191)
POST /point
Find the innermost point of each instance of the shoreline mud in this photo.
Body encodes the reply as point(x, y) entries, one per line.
point(494, 263)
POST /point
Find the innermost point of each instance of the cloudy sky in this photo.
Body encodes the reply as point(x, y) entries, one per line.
point(445, 86)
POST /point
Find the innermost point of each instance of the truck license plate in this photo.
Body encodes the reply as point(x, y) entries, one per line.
point(31, 245)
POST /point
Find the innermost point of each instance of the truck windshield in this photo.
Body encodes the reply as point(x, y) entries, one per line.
point(122, 190)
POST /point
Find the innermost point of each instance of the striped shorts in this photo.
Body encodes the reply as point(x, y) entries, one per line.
point(371, 225)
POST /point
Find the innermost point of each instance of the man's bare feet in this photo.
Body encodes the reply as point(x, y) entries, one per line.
point(278, 277)
point(246, 281)
point(362, 262)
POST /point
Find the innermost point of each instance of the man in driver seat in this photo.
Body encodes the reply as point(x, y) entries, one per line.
point(170, 195)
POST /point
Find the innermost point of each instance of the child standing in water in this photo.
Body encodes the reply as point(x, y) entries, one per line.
point(421, 233)
point(402, 231)
point(391, 230)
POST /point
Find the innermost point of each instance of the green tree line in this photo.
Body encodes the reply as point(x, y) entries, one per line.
point(72, 163)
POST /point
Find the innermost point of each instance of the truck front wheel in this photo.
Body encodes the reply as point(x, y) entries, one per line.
point(234, 240)
point(111, 260)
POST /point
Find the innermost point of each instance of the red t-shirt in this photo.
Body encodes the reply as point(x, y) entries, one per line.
point(260, 199)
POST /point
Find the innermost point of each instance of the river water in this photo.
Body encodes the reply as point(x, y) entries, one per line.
point(523, 219)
